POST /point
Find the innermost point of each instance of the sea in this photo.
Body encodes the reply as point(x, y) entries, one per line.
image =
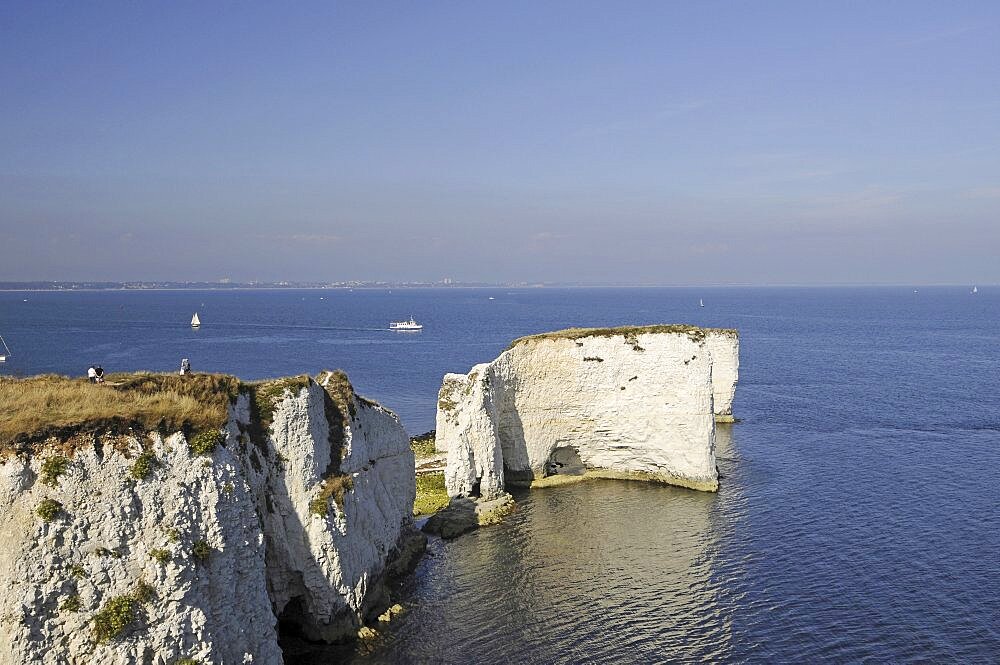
point(858, 515)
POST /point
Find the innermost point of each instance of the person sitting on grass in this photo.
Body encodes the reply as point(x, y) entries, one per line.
point(99, 374)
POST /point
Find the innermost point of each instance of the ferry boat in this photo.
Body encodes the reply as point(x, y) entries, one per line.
point(405, 325)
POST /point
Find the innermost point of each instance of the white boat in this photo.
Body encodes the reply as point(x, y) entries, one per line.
point(3, 356)
point(701, 302)
point(405, 325)
point(195, 321)
point(975, 289)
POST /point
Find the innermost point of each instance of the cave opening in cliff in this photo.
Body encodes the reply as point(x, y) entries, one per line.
point(565, 461)
point(292, 617)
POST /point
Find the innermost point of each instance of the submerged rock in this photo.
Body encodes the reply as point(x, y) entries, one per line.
point(638, 402)
point(451, 522)
point(296, 514)
point(463, 515)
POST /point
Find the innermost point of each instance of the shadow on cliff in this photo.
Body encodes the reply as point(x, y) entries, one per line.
point(296, 577)
point(563, 460)
point(517, 469)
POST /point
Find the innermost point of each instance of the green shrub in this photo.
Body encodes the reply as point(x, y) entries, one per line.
point(143, 465)
point(49, 509)
point(119, 612)
point(52, 468)
point(77, 571)
point(72, 603)
point(173, 535)
point(334, 487)
point(203, 443)
point(161, 556)
point(114, 617)
point(144, 592)
point(187, 661)
point(319, 506)
point(201, 550)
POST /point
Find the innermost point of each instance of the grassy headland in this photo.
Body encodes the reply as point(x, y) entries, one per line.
point(49, 405)
point(38, 408)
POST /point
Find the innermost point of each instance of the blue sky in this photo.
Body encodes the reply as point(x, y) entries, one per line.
point(625, 142)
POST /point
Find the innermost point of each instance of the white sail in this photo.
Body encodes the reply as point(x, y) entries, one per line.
point(3, 356)
point(195, 321)
point(975, 289)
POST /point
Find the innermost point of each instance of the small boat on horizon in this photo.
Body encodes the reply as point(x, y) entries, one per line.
point(701, 302)
point(195, 321)
point(975, 289)
point(405, 325)
point(3, 356)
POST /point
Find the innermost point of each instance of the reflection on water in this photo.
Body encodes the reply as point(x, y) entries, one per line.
point(599, 571)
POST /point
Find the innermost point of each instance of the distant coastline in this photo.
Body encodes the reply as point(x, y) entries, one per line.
point(46, 286)
point(236, 286)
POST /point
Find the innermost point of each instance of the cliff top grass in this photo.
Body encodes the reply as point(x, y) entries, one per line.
point(694, 332)
point(40, 407)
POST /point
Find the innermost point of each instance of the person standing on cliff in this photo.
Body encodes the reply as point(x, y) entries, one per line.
point(92, 374)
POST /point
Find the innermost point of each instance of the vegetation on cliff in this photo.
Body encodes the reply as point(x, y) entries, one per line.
point(339, 401)
point(39, 408)
point(44, 406)
point(431, 494)
point(630, 332)
point(422, 445)
point(120, 612)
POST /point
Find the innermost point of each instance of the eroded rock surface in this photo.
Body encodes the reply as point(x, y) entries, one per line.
point(632, 402)
point(203, 556)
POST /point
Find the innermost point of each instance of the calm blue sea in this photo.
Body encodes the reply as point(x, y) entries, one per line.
point(859, 514)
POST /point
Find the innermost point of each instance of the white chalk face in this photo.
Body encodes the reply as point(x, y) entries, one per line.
point(232, 537)
point(641, 403)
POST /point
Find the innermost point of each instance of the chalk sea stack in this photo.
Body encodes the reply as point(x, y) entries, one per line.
point(633, 402)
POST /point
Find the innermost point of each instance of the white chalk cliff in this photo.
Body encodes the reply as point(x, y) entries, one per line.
point(637, 402)
point(296, 524)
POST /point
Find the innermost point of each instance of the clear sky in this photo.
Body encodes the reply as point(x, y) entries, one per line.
point(626, 142)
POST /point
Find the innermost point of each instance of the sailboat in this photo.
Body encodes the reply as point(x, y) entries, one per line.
point(701, 302)
point(195, 321)
point(3, 356)
point(975, 289)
